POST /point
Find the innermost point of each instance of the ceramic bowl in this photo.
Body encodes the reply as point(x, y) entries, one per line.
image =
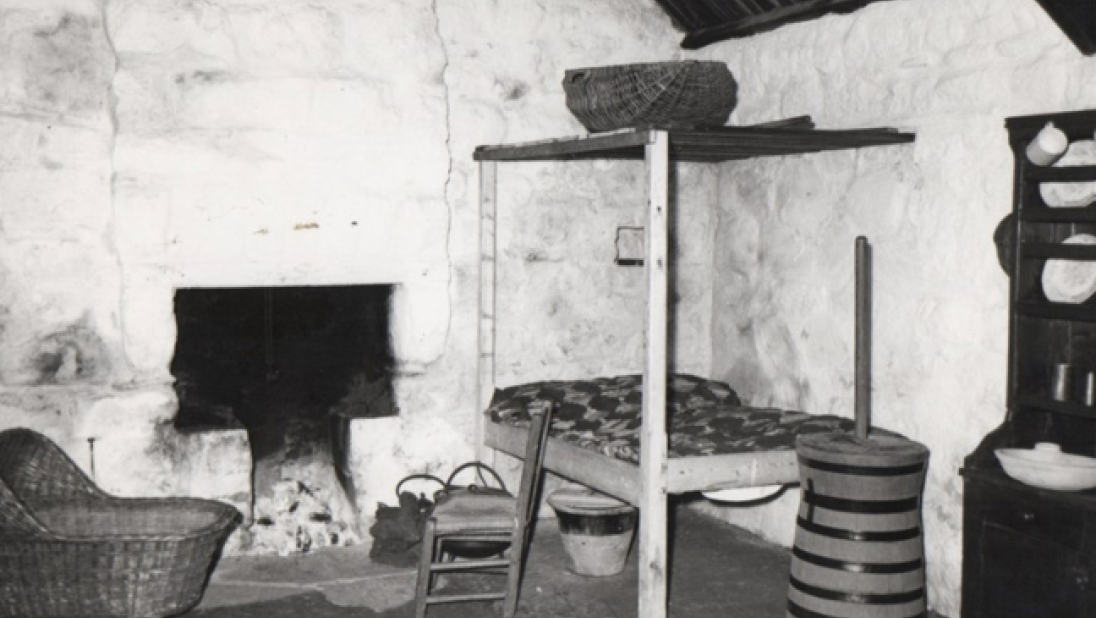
point(1046, 466)
point(743, 494)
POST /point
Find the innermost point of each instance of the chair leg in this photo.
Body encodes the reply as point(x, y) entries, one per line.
point(426, 557)
point(513, 573)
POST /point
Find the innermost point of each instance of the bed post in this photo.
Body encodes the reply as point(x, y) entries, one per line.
point(485, 353)
point(653, 521)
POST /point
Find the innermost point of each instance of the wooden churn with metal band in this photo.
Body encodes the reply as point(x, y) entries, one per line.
point(859, 551)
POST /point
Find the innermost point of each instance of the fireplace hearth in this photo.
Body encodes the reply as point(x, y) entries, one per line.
point(293, 366)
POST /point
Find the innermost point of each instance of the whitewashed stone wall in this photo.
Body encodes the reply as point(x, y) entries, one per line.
point(67, 365)
point(150, 145)
point(292, 143)
point(783, 330)
point(565, 309)
point(154, 144)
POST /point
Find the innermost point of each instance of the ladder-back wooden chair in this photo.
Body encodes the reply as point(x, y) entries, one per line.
point(485, 518)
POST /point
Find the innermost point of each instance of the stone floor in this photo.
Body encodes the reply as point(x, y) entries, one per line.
point(716, 570)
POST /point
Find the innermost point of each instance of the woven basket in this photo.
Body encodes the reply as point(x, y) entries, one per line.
point(686, 94)
point(67, 549)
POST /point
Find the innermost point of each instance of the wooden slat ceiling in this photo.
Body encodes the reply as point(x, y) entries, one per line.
point(704, 146)
point(1077, 18)
point(709, 21)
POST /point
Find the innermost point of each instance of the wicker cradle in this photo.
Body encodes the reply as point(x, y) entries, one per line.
point(69, 550)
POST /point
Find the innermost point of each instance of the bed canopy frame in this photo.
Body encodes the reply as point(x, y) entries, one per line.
point(657, 475)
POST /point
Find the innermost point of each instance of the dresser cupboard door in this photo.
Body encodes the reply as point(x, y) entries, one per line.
point(1028, 577)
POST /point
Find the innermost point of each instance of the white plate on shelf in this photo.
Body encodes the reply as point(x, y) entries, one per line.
point(1070, 281)
point(1072, 194)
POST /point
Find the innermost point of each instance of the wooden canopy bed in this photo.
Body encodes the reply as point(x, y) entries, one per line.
point(657, 474)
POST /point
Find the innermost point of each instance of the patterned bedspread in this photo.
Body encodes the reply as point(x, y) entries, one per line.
point(705, 417)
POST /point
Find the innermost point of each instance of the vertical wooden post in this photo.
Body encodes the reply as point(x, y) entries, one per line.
point(863, 337)
point(653, 520)
point(485, 357)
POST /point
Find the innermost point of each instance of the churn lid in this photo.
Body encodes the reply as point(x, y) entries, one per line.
point(843, 448)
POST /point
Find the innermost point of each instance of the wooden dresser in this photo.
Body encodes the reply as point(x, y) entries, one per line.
point(1030, 552)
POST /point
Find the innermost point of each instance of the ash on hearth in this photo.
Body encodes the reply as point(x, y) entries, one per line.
point(298, 518)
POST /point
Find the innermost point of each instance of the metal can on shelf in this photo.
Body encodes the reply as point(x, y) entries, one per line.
point(1061, 382)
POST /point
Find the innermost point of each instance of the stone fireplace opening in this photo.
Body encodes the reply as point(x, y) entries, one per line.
point(293, 366)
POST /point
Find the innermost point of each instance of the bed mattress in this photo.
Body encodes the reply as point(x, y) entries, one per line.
point(704, 417)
